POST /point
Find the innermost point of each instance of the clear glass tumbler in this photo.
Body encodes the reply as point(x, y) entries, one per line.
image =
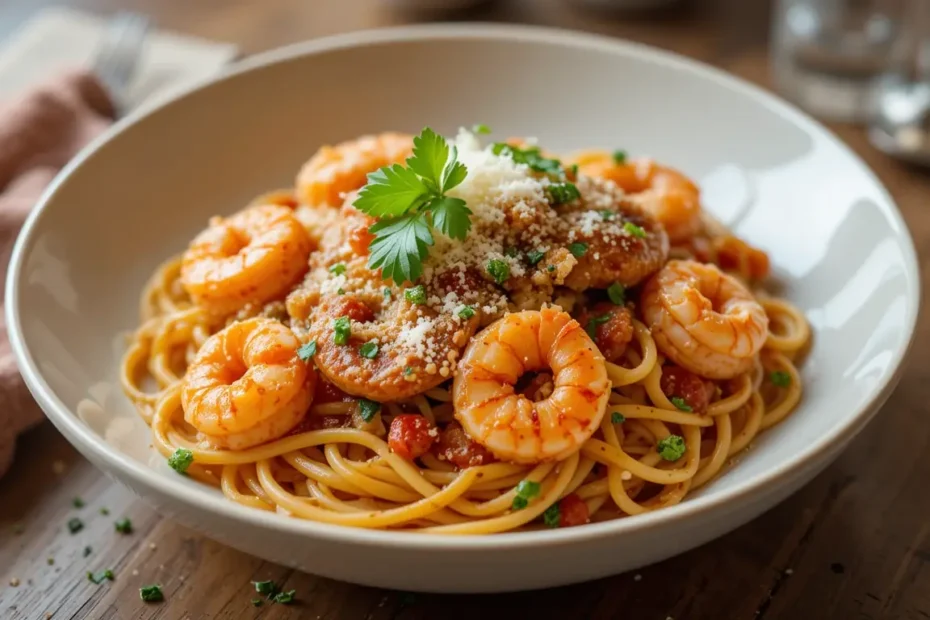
point(832, 57)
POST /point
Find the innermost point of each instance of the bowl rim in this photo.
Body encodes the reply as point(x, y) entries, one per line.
point(141, 475)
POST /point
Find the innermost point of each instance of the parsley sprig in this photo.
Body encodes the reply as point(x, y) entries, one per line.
point(410, 202)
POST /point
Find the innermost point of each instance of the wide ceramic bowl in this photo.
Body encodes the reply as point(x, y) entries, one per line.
point(839, 246)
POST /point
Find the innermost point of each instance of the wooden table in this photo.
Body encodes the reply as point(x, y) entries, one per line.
point(855, 543)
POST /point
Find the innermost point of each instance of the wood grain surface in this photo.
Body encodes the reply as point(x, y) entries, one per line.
point(853, 544)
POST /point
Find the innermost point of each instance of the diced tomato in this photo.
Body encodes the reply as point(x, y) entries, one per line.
point(456, 447)
point(684, 384)
point(353, 308)
point(573, 511)
point(410, 437)
point(612, 325)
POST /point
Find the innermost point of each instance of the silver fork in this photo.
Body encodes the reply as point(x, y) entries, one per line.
point(118, 53)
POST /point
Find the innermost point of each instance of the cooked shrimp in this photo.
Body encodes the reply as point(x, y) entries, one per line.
point(509, 424)
point(666, 194)
point(703, 319)
point(252, 257)
point(337, 170)
point(247, 386)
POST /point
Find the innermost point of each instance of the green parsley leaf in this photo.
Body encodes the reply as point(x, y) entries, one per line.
point(106, 511)
point(681, 404)
point(594, 322)
point(671, 448)
point(552, 516)
point(480, 128)
point(620, 157)
point(368, 408)
point(257, 602)
point(534, 256)
point(416, 294)
point(151, 594)
point(430, 154)
point(634, 230)
point(499, 270)
point(340, 291)
point(124, 526)
point(391, 191)
point(454, 173)
point(387, 293)
point(265, 588)
point(578, 249)
point(617, 418)
point(561, 193)
point(179, 462)
point(550, 268)
point(531, 157)
point(526, 490)
point(511, 252)
point(50, 561)
point(77, 502)
point(400, 246)
point(75, 525)
point(98, 578)
point(307, 351)
point(368, 350)
point(87, 551)
point(338, 269)
point(408, 371)
point(780, 378)
point(285, 598)
point(451, 217)
point(467, 312)
point(342, 329)
point(574, 170)
point(616, 292)
point(606, 214)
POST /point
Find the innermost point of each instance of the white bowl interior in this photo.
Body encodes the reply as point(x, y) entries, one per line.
point(839, 248)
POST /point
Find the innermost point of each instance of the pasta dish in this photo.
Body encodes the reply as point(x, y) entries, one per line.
point(462, 336)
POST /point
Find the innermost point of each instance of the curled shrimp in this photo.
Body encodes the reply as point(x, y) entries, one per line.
point(252, 257)
point(670, 197)
point(247, 386)
point(703, 319)
point(336, 170)
point(510, 424)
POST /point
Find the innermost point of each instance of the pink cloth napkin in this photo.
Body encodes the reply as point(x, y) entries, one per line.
point(39, 132)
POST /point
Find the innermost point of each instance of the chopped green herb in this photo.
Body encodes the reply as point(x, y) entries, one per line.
point(257, 602)
point(87, 551)
point(780, 378)
point(50, 561)
point(526, 490)
point(342, 329)
point(179, 462)
point(368, 350)
point(552, 516)
point(98, 578)
point(634, 230)
point(606, 214)
point(480, 128)
point(594, 322)
point(616, 292)
point(285, 598)
point(467, 312)
point(387, 293)
point(151, 594)
point(617, 418)
point(578, 249)
point(265, 588)
point(534, 256)
point(368, 408)
point(338, 269)
point(620, 157)
point(307, 351)
point(124, 526)
point(106, 511)
point(340, 291)
point(671, 448)
point(562, 193)
point(550, 268)
point(408, 371)
point(681, 403)
point(411, 201)
point(416, 295)
point(531, 157)
point(75, 525)
point(77, 502)
point(574, 170)
point(499, 270)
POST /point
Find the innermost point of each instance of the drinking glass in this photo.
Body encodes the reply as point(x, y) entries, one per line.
point(832, 57)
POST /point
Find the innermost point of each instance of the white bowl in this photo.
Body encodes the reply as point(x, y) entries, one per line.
point(839, 246)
